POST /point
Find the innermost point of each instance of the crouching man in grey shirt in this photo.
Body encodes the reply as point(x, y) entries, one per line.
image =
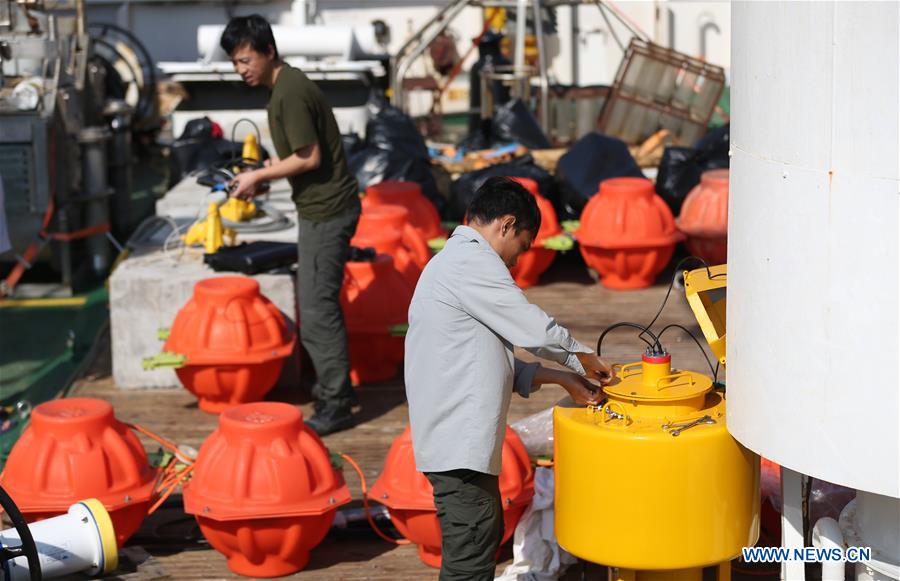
point(466, 317)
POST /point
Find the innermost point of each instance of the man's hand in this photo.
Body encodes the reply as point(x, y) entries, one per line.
point(582, 391)
point(244, 185)
point(596, 368)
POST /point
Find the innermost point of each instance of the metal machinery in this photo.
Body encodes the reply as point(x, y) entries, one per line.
point(518, 76)
point(345, 61)
point(655, 86)
point(650, 482)
point(57, 128)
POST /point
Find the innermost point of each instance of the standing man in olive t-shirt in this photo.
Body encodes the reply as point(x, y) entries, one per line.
point(311, 157)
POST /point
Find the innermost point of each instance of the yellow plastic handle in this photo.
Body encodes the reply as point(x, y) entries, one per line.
point(624, 369)
point(672, 378)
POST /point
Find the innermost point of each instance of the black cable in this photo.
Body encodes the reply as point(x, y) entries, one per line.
point(672, 284)
point(656, 345)
point(27, 546)
point(255, 129)
point(699, 346)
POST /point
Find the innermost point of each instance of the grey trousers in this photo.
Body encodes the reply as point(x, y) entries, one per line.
point(323, 249)
point(470, 512)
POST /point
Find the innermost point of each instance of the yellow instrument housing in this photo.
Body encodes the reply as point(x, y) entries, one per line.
point(651, 480)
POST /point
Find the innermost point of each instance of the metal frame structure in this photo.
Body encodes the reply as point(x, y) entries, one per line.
point(678, 64)
point(418, 43)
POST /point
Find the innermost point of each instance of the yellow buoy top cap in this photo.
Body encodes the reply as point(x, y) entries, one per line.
point(652, 380)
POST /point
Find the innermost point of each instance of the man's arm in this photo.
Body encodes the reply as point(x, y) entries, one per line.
point(529, 377)
point(490, 295)
point(301, 161)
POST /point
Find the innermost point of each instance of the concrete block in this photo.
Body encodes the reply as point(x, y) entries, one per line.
point(145, 294)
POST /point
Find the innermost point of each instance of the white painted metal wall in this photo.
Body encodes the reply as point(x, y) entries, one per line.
point(168, 28)
point(813, 242)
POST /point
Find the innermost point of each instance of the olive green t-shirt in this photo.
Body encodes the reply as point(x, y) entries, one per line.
point(299, 116)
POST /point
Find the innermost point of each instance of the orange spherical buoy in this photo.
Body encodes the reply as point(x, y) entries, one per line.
point(75, 449)
point(408, 494)
point(532, 263)
point(264, 491)
point(375, 299)
point(422, 214)
point(704, 217)
point(234, 340)
point(387, 230)
point(627, 233)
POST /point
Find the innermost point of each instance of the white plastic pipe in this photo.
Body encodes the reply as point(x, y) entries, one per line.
point(299, 10)
point(521, 15)
point(826, 534)
point(80, 541)
point(313, 41)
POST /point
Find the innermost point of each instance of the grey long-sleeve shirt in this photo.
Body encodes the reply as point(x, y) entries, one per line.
point(465, 319)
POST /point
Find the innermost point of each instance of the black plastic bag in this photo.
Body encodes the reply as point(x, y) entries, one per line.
point(592, 159)
point(512, 123)
point(352, 143)
point(468, 183)
point(681, 167)
point(394, 150)
point(390, 129)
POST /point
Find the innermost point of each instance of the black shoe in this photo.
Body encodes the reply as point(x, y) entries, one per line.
point(327, 421)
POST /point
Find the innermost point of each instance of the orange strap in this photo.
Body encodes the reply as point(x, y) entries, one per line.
point(365, 499)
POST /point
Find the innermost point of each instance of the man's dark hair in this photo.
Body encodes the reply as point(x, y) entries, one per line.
point(499, 196)
point(253, 30)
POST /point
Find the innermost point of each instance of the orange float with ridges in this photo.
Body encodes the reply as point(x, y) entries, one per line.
point(423, 215)
point(704, 217)
point(387, 230)
point(375, 299)
point(233, 341)
point(75, 449)
point(264, 491)
point(409, 497)
point(533, 263)
point(627, 233)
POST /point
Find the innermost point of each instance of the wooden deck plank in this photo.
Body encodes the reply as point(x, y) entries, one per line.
point(567, 293)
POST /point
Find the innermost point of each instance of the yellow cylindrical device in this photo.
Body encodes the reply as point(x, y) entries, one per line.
point(250, 150)
point(651, 482)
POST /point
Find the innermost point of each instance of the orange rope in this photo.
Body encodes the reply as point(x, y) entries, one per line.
point(170, 477)
point(168, 444)
point(171, 488)
point(365, 499)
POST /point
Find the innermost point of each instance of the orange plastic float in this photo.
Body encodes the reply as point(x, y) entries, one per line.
point(422, 214)
point(408, 494)
point(704, 217)
point(74, 449)
point(532, 264)
point(627, 233)
point(264, 491)
point(387, 230)
point(228, 343)
point(375, 299)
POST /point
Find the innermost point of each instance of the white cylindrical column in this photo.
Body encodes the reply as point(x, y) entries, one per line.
point(813, 239)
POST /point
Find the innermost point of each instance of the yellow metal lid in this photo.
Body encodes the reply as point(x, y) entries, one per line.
point(653, 382)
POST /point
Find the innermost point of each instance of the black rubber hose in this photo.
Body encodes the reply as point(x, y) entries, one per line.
point(28, 548)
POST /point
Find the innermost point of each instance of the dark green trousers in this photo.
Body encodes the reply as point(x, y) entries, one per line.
point(471, 516)
point(323, 248)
